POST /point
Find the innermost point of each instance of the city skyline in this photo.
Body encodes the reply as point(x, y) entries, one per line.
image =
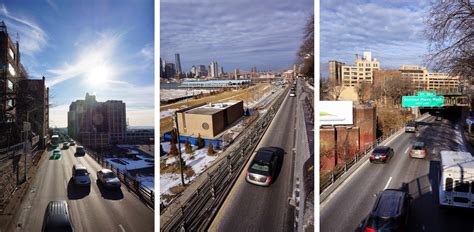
point(392, 31)
point(89, 55)
point(240, 34)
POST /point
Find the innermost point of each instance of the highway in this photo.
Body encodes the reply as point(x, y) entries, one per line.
point(94, 209)
point(253, 208)
point(348, 206)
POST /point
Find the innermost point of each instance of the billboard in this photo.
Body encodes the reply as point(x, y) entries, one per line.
point(335, 113)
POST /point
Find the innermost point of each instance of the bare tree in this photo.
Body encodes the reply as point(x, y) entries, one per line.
point(305, 55)
point(364, 92)
point(450, 33)
point(330, 90)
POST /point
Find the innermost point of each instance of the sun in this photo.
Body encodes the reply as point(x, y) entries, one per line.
point(99, 75)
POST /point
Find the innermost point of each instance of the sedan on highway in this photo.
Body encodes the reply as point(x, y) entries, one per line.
point(65, 145)
point(80, 151)
point(381, 154)
point(264, 165)
point(411, 126)
point(56, 154)
point(80, 175)
point(390, 212)
point(108, 179)
point(57, 218)
point(418, 150)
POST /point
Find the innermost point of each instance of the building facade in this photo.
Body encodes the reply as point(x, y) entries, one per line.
point(214, 69)
point(178, 63)
point(353, 75)
point(97, 124)
point(335, 71)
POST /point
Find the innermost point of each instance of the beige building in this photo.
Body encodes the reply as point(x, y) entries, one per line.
point(421, 79)
point(353, 75)
point(209, 120)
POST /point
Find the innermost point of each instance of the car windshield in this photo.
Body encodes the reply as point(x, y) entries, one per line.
point(81, 172)
point(418, 147)
point(109, 175)
point(80, 149)
point(379, 151)
point(260, 168)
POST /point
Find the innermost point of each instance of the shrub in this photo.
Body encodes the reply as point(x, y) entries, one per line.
point(200, 142)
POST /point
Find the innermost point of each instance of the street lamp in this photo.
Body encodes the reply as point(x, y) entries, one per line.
point(180, 159)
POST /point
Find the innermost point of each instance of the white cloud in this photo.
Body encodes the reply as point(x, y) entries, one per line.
point(147, 52)
point(32, 37)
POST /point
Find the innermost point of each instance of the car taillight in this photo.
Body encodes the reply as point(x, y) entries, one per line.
point(268, 179)
point(247, 173)
point(369, 229)
point(372, 156)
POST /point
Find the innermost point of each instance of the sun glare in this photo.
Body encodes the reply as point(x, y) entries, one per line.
point(99, 75)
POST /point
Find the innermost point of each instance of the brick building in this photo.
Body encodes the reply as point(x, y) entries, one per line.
point(97, 124)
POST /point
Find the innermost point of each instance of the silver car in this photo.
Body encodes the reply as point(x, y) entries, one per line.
point(108, 179)
point(80, 175)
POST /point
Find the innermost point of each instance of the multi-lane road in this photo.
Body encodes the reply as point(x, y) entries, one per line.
point(253, 208)
point(91, 209)
point(347, 207)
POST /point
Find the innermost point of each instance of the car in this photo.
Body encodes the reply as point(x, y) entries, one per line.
point(108, 179)
point(263, 167)
point(80, 175)
point(56, 154)
point(72, 143)
point(411, 126)
point(418, 150)
point(292, 94)
point(80, 151)
point(65, 145)
point(389, 213)
point(57, 217)
point(381, 154)
point(439, 118)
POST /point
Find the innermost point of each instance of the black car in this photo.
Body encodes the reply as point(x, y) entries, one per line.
point(381, 154)
point(390, 212)
point(264, 165)
point(80, 151)
point(57, 218)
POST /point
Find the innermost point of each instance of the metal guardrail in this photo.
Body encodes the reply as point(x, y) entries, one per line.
point(145, 194)
point(197, 213)
point(329, 179)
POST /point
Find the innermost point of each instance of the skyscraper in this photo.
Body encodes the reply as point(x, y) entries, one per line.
point(177, 63)
point(214, 69)
point(335, 71)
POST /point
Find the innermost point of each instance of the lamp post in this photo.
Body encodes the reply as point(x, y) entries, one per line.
point(180, 159)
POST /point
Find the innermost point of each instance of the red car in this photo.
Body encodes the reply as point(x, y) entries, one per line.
point(381, 154)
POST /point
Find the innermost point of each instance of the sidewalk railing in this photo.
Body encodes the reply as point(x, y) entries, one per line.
point(8, 152)
point(198, 211)
point(144, 193)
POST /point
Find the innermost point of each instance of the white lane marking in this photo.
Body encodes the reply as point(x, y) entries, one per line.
point(386, 186)
point(406, 151)
point(121, 227)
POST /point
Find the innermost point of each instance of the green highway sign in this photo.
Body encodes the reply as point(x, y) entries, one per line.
point(426, 94)
point(419, 101)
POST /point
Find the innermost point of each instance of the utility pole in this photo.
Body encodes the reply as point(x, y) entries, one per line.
point(180, 159)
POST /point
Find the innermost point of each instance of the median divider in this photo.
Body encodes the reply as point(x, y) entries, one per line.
point(196, 207)
point(336, 177)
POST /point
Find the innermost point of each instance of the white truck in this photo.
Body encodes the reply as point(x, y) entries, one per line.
point(456, 184)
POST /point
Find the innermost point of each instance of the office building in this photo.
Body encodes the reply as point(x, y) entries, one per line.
point(170, 70)
point(353, 75)
point(214, 69)
point(97, 124)
point(177, 61)
point(335, 71)
point(254, 71)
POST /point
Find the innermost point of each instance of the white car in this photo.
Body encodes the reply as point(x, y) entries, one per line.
point(292, 94)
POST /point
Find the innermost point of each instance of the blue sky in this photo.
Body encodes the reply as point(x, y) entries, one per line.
point(236, 34)
point(97, 46)
point(391, 29)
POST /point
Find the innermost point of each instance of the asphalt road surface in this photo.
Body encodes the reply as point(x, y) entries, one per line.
point(348, 206)
point(91, 209)
point(254, 208)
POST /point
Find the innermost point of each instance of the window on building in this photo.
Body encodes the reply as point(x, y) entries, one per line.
point(11, 69)
point(12, 55)
point(9, 84)
point(10, 103)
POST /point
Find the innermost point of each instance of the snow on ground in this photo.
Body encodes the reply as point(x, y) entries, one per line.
point(176, 93)
point(200, 162)
point(142, 161)
point(147, 181)
point(309, 86)
point(459, 138)
point(167, 113)
point(263, 99)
